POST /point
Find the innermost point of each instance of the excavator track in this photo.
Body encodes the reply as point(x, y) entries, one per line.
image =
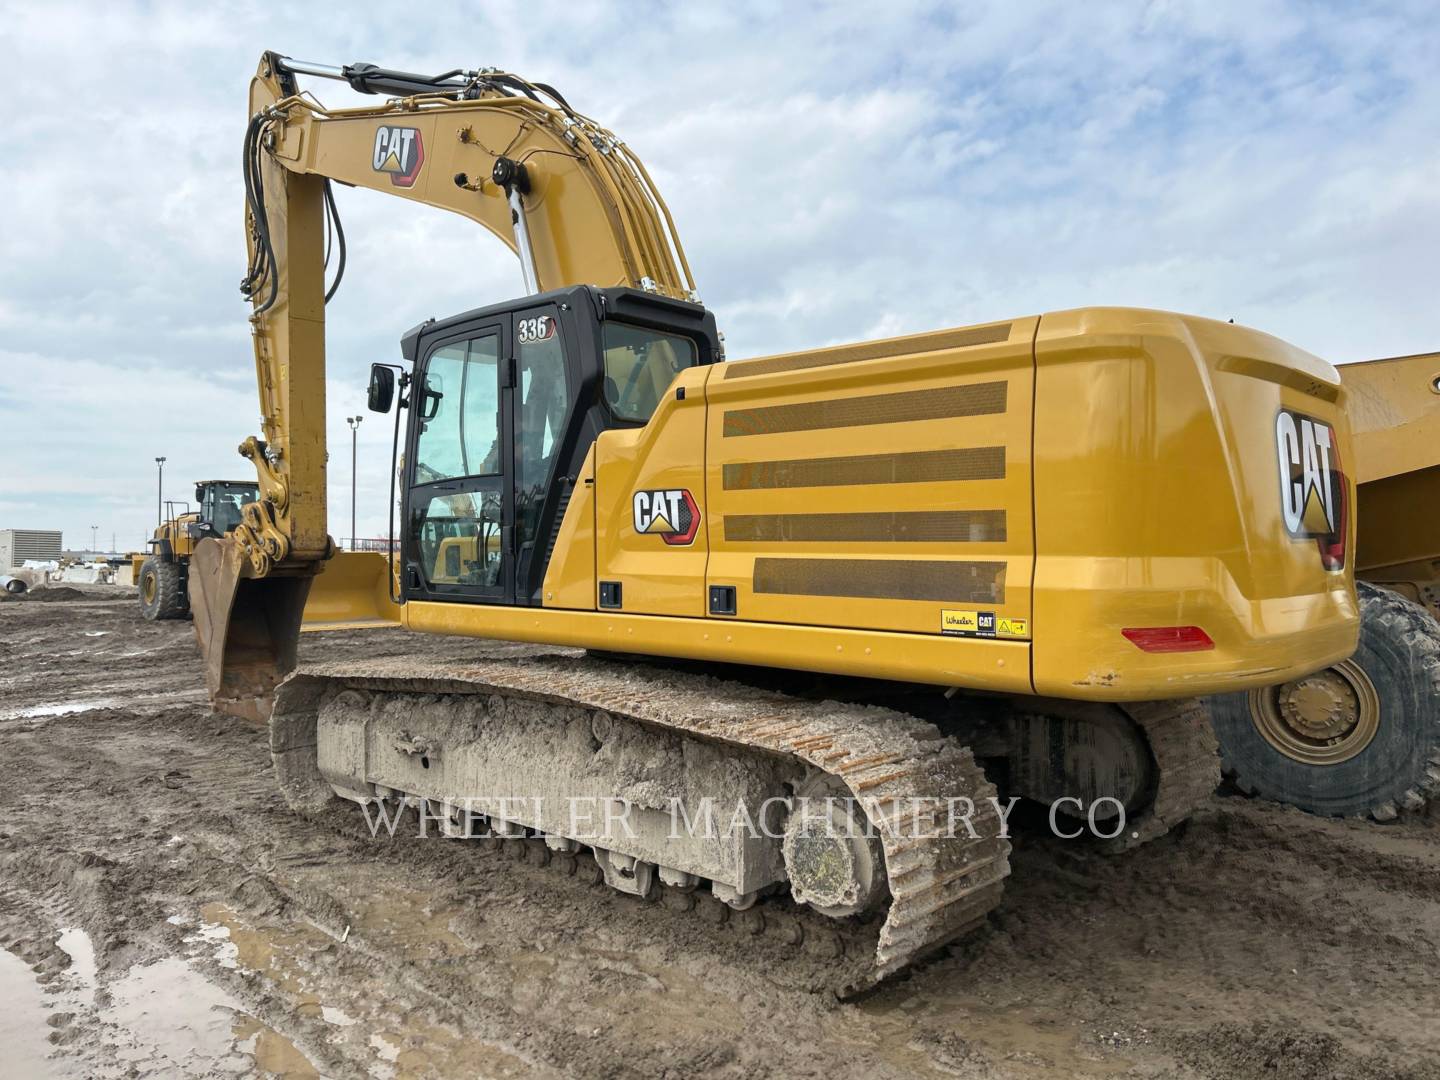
point(1187, 763)
point(943, 877)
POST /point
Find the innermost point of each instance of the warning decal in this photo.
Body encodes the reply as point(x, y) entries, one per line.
point(963, 623)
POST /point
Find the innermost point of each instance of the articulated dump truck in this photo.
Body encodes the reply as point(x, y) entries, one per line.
point(1362, 737)
point(839, 601)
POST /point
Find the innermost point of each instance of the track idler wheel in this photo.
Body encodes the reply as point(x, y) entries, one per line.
point(832, 858)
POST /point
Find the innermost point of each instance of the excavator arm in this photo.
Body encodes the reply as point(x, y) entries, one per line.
point(562, 192)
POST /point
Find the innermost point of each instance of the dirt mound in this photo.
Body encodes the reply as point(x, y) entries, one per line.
point(52, 593)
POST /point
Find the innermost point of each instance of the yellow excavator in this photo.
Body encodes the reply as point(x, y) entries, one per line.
point(829, 599)
point(1362, 737)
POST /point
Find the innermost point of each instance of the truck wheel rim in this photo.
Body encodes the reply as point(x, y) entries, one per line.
point(1322, 719)
point(147, 588)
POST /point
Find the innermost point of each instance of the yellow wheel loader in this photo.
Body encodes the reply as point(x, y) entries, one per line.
point(1362, 737)
point(162, 577)
point(828, 600)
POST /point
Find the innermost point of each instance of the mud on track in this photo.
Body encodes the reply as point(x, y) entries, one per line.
point(162, 913)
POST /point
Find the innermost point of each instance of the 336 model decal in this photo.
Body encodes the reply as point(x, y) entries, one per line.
point(539, 328)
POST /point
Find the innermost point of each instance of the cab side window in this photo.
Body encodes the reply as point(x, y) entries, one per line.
point(459, 406)
point(457, 530)
point(458, 537)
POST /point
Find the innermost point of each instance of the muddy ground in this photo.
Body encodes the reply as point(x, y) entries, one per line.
point(162, 913)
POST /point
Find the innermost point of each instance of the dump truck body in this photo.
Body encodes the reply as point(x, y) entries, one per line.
point(1394, 411)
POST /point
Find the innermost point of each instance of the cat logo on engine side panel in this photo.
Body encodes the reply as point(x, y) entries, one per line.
point(670, 514)
point(400, 152)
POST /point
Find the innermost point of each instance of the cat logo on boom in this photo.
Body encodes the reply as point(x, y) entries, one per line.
point(670, 514)
point(399, 152)
point(1312, 487)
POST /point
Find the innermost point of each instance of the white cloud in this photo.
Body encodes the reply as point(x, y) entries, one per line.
point(836, 172)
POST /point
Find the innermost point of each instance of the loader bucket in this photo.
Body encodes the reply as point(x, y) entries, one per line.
point(248, 628)
point(352, 592)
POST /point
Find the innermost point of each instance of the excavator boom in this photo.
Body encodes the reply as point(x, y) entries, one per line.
point(558, 189)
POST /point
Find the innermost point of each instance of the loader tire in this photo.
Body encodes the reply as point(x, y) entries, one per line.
point(1360, 738)
point(161, 596)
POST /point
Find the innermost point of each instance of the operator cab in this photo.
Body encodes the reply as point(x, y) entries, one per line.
point(220, 502)
point(504, 404)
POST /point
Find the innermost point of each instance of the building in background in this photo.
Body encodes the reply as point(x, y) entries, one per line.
point(17, 545)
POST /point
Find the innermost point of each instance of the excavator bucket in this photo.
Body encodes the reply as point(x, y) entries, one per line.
point(248, 628)
point(352, 592)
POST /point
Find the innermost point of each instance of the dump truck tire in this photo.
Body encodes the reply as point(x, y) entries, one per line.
point(1360, 738)
point(160, 594)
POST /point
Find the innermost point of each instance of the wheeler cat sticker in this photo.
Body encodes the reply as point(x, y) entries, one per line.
point(399, 152)
point(1312, 486)
point(670, 514)
point(961, 623)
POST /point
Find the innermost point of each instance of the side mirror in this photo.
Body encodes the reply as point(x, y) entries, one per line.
point(199, 494)
point(382, 388)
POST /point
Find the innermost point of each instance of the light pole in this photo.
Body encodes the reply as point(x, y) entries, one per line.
point(354, 422)
point(93, 530)
point(159, 492)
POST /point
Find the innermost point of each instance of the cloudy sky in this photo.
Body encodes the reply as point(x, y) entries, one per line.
point(837, 172)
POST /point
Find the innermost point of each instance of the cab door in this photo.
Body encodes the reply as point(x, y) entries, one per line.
point(459, 514)
point(541, 406)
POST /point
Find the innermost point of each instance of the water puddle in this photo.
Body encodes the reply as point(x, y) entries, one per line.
point(50, 710)
point(946, 1035)
point(22, 1020)
point(59, 708)
point(274, 1054)
point(338, 1017)
point(80, 949)
point(421, 1049)
point(175, 1020)
point(179, 1020)
point(163, 1018)
point(388, 1051)
point(399, 922)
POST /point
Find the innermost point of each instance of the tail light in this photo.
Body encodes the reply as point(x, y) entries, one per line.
point(1166, 639)
point(1332, 547)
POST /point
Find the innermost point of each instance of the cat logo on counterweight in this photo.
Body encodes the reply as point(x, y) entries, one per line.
point(1312, 487)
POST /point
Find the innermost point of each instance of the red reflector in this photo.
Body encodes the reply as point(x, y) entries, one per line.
point(1168, 638)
